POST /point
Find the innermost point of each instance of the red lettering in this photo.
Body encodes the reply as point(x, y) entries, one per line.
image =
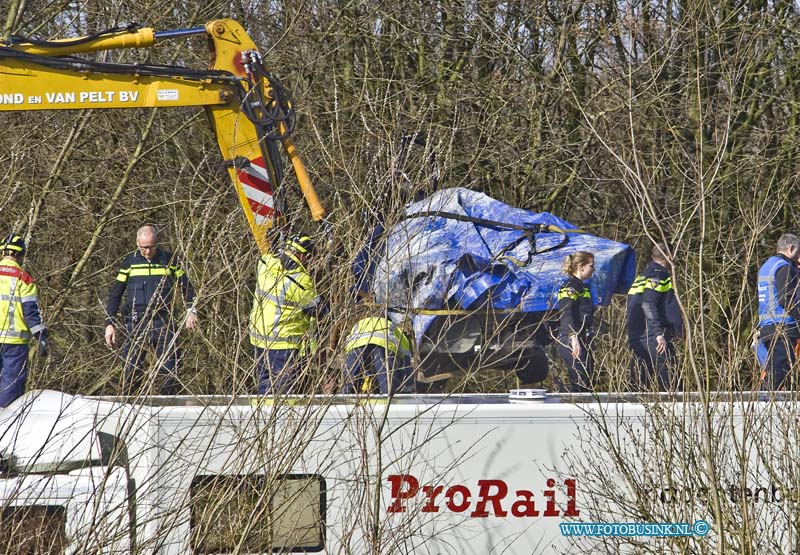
point(550, 508)
point(524, 505)
point(484, 497)
point(465, 498)
point(572, 509)
point(398, 494)
point(489, 498)
point(431, 492)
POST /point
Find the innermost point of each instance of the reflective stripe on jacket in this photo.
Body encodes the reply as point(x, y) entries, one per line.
point(378, 331)
point(576, 307)
point(20, 318)
point(770, 309)
point(651, 307)
point(280, 317)
point(642, 283)
point(148, 286)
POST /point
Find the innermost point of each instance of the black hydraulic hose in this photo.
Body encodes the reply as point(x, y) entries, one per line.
point(79, 64)
point(264, 114)
point(18, 39)
point(280, 109)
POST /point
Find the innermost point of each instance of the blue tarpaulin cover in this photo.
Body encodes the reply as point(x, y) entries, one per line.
point(441, 261)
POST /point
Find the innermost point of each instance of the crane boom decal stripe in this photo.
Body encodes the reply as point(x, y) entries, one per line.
point(257, 189)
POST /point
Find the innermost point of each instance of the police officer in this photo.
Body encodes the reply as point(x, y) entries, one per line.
point(148, 278)
point(377, 350)
point(284, 306)
point(779, 310)
point(576, 309)
point(654, 320)
point(20, 319)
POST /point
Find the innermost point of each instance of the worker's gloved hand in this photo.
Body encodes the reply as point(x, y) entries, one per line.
point(44, 347)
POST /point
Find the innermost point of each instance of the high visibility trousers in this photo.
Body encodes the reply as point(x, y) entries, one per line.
point(278, 370)
point(13, 372)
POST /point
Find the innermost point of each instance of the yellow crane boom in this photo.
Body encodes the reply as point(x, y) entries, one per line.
point(249, 110)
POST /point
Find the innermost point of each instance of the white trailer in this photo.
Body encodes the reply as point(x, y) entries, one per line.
point(420, 474)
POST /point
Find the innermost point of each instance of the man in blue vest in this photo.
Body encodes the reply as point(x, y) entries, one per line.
point(779, 311)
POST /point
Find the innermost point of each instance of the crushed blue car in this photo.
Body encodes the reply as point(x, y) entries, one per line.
point(479, 278)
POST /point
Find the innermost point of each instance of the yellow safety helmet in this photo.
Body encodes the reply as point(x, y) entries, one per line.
point(13, 244)
point(302, 244)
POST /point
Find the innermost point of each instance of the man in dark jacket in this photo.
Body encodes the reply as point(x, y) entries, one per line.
point(148, 277)
point(654, 321)
point(779, 311)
